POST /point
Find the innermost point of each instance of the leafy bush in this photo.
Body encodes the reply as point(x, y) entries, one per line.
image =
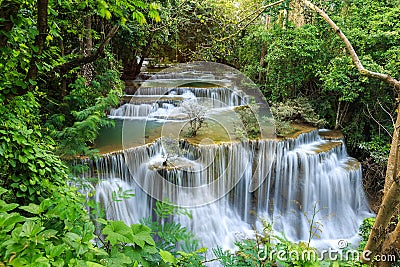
point(377, 148)
point(365, 230)
point(29, 166)
point(168, 234)
point(267, 250)
point(264, 249)
point(297, 110)
point(58, 232)
point(55, 232)
point(85, 110)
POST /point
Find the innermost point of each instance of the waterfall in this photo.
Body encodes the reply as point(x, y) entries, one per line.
point(228, 185)
point(306, 171)
point(132, 110)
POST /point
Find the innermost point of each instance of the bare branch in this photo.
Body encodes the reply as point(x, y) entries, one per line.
point(380, 125)
point(383, 77)
point(387, 112)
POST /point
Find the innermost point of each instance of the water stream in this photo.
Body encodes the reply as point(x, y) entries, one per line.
point(227, 183)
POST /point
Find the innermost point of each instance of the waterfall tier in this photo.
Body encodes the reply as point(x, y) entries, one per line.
point(280, 180)
point(227, 184)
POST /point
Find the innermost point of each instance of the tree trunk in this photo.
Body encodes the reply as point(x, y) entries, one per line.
point(390, 245)
point(391, 199)
point(87, 70)
point(337, 123)
point(42, 8)
point(88, 36)
point(262, 57)
point(394, 157)
point(132, 67)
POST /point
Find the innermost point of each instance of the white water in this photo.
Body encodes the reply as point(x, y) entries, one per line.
point(225, 185)
point(132, 110)
point(301, 177)
point(218, 97)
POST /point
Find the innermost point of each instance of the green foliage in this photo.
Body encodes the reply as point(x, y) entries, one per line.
point(378, 149)
point(342, 79)
point(136, 234)
point(297, 110)
point(74, 97)
point(304, 58)
point(55, 232)
point(365, 230)
point(58, 232)
point(43, 222)
point(129, 245)
point(29, 166)
point(293, 55)
point(85, 110)
point(165, 209)
point(120, 195)
point(268, 249)
point(192, 259)
point(169, 235)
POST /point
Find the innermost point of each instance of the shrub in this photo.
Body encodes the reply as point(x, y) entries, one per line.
point(297, 110)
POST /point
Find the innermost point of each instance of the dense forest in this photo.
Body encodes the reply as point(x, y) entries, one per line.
point(64, 64)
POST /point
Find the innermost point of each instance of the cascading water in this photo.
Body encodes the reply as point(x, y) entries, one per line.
point(226, 183)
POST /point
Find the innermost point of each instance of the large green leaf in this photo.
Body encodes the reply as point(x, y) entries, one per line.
point(8, 221)
point(167, 257)
point(2, 190)
point(141, 235)
point(31, 229)
point(93, 264)
point(32, 208)
point(4, 207)
point(118, 231)
point(118, 259)
point(55, 251)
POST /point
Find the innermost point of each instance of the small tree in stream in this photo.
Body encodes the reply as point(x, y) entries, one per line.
point(196, 115)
